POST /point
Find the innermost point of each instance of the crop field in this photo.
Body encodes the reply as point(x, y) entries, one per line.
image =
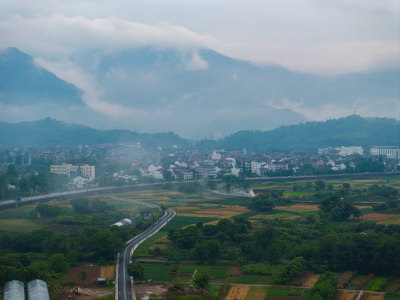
point(272, 216)
point(308, 279)
point(182, 221)
point(382, 218)
point(279, 292)
point(346, 294)
point(18, 225)
point(143, 249)
point(92, 273)
point(298, 208)
point(22, 212)
point(237, 292)
point(344, 279)
point(373, 296)
point(211, 210)
point(256, 293)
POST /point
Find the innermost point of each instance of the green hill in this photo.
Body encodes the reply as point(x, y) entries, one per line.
point(49, 132)
point(350, 131)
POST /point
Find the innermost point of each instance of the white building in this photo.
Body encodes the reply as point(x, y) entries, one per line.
point(215, 155)
point(345, 151)
point(87, 171)
point(64, 169)
point(255, 167)
point(187, 175)
point(389, 151)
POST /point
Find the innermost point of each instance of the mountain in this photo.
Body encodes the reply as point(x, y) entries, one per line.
point(350, 131)
point(50, 132)
point(196, 93)
point(22, 82)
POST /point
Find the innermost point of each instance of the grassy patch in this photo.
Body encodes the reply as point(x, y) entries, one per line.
point(143, 249)
point(392, 296)
point(158, 272)
point(23, 212)
point(282, 292)
point(18, 225)
point(182, 221)
point(257, 292)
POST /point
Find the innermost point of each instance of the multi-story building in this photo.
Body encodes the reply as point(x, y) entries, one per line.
point(389, 151)
point(345, 151)
point(87, 171)
point(64, 169)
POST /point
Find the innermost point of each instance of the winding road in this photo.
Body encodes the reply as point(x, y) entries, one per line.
point(124, 284)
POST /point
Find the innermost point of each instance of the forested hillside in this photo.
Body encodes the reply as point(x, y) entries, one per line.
point(350, 131)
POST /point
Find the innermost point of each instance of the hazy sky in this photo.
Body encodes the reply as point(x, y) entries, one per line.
point(320, 36)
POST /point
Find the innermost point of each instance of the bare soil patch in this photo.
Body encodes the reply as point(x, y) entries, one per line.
point(308, 279)
point(394, 286)
point(82, 293)
point(344, 278)
point(92, 273)
point(345, 294)
point(150, 289)
point(107, 272)
point(373, 296)
point(378, 217)
point(234, 271)
point(238, 292)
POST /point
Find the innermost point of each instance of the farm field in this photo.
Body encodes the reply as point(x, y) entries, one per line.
point(210, 208)
point(18, 225)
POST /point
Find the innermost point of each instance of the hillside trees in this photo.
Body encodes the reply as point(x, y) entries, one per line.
point(336, 208)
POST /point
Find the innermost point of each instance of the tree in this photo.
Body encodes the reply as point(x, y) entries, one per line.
point(336, 208)
point(82, 275)
point(136, 270)
point(201, 280)
point(262, 203)
point(319, 185)
point(58, 263)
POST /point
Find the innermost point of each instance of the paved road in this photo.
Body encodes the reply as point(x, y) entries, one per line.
point(124, 289)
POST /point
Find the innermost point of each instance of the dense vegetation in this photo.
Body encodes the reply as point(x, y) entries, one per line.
point(49, 132)
point(86, 237)
point(310, 136)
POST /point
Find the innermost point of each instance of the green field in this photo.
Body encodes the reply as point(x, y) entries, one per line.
point(18, 225)
point(182, 221)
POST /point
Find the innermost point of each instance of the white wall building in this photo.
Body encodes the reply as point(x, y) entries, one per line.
point(345, 151)
point(87, 171)
point(389, 151)
point(64, 169)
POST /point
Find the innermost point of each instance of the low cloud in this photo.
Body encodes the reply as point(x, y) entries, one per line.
point(61, 35)
point(68, 71)
point(197, 63)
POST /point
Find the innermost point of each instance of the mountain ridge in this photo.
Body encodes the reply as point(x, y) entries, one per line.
point(197, 94)
point(349, 131)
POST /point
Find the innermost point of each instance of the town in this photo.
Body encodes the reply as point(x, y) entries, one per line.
point(28, 170)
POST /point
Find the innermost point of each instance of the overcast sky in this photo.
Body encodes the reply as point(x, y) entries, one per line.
point(319, 36)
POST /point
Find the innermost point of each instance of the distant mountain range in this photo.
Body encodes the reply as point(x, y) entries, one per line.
point(50, 132)
point(349, 131)
point(197, 94)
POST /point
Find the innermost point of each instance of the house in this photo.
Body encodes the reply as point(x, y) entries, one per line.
point(145, 215)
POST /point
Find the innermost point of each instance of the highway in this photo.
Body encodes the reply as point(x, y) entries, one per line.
point(124, 283)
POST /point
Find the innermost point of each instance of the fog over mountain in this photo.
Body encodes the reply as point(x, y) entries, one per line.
point(195, 93)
